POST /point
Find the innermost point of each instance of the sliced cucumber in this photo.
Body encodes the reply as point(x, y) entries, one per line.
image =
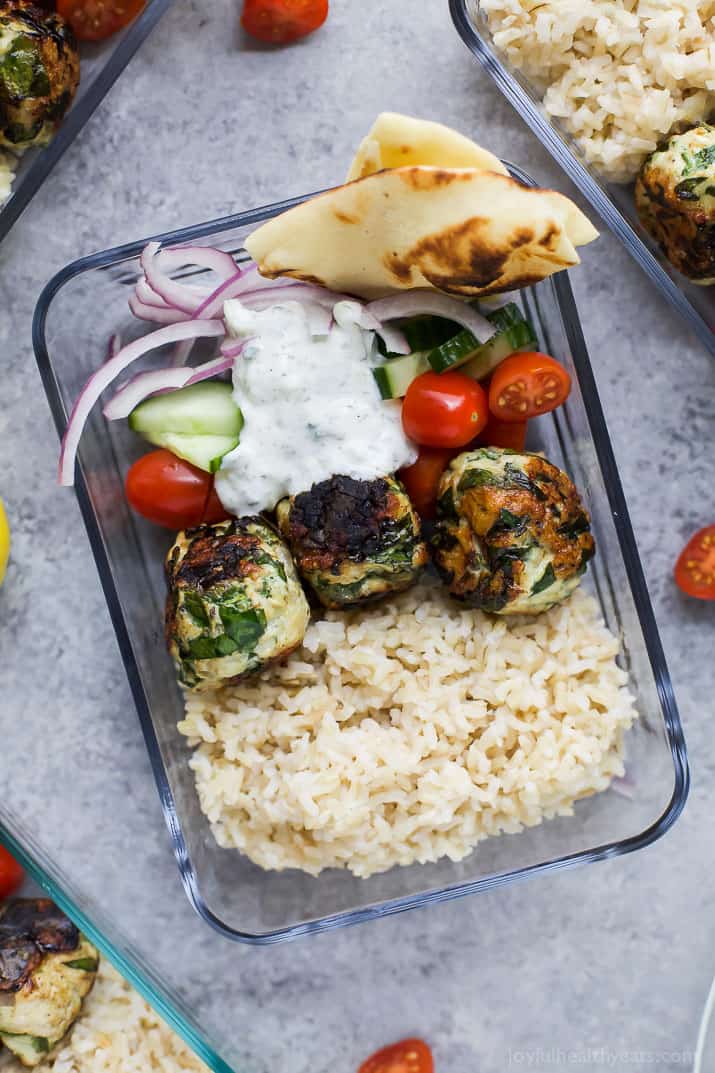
point(513, 332)
point(204, 452)
point(200, 423)
point(205, 409)
point(424, 333)
point(29, 1049)
point(394, 378)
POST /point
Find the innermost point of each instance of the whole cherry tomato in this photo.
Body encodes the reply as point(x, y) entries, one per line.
point(170, 492)
point(278, 22)
point(695, 568)
point(444, 409)
point(93, 20)
point(526, 385)
point(11, 874)
point(407, 1056)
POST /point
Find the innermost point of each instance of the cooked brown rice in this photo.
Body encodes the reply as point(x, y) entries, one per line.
point(620, 74)
point(409, 731)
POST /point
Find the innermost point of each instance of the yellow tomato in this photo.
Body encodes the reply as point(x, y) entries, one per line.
point(4, 541)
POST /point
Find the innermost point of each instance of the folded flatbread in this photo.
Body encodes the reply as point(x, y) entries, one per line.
point(463, 230)
point(399, 141)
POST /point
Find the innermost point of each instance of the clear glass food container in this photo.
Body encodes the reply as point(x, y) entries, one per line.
point(612, 201)
point(100, 66)
point(77, 313)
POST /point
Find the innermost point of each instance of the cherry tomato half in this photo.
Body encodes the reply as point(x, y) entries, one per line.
point(444, 409)
point(93, 20)
point(526, 385)
point(422, 478)
point(408, 1056)
point(695, 568)
point(278, 22)
point(11, 874)
point(170, 492)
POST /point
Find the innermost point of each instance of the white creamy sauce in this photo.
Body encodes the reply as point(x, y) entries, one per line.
point(310, 405)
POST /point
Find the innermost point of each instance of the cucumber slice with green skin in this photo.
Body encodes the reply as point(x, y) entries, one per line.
point(204, 452)
point(85, 964)
point(394, 378)
point(513, 332)
point(205, 409)
point(29, 1049)
point(200, 423)
point(425, 333)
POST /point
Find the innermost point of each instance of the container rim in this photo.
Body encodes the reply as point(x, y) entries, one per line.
point(627, 545)
point(562, 150)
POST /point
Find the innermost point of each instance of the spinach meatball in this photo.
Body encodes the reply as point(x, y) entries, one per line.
point(353, 540)
point(512, 535)
point(675, 198)
point(39, 73)
point(234, 604)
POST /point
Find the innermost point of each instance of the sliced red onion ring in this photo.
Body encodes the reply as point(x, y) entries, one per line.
point(149, 297)
point(297, 292)
point(414, 303)
point(157, 381)
point(157, 263)
point(231, 348)
point(394, 340)
point(182, 353)
point(174, 294)
point(193, 293)
point(113, 346)
point(156, 314)
point(103, 377)
point(213, 305)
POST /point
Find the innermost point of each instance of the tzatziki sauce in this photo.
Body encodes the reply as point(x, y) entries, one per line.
point(310, 404)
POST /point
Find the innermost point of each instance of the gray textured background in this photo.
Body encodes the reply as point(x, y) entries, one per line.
point(617, 956)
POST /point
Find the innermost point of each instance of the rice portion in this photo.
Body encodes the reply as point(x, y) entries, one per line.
point(117, 1032)
point(619, 74)
point(409, 731)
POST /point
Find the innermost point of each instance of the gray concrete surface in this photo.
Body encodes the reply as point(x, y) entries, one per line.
point(615, 957)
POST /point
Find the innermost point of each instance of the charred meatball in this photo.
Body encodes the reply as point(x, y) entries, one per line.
point(675, 198)
point(39, 73)
point(512, 535)
point(46, 969)
point(235, 603)
point(353, 541)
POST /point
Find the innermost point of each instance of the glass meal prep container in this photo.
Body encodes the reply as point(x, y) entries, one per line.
point(79, 310)
point(100, 66)
point(612, 201)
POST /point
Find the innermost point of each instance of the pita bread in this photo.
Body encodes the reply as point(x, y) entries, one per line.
point(465, 231)
point(398, 141)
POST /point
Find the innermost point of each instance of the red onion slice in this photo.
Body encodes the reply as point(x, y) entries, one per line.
point(182, 353)
point(157, 263)
point(157, 381)
point(103, 377)
point(213, 305)
point(231, 348)
point(414, 303)
point(394, 340)
point(113, 346)
point(156, 314)
point(296, 292)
